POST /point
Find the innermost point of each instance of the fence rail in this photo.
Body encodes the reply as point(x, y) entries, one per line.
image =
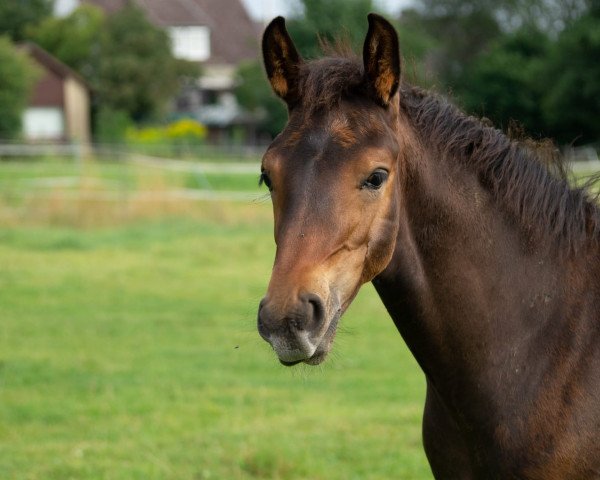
point(584, 154)
point(116, 151)
point(242, 168)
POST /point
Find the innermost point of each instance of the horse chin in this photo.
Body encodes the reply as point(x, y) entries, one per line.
point(316, 359)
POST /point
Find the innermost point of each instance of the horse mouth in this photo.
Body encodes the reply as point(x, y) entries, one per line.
point(290, 364)
point(316, 359)
point(322, 349)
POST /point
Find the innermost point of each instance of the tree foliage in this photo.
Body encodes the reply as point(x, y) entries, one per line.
point(504, 83)
point(17, 74)
point(124, 58)
point(254, 94)
point(571, 104)
point(17, 15)
point(458, 36)
point(137, 73)
point(320, 22)
point(327, 22)
point(533, 61)
point(530, 61)
point(74, 39)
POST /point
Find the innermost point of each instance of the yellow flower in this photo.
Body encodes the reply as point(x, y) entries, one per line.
point(186, 128)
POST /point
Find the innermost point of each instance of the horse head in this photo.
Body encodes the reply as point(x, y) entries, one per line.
point(333, 175)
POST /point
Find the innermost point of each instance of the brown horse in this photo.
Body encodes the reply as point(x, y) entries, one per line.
point(488, 264)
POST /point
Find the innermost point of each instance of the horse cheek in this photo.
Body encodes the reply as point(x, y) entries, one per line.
point(380, 249)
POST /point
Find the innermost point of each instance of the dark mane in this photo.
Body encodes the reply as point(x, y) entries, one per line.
point(518, 175)
point(529, 182)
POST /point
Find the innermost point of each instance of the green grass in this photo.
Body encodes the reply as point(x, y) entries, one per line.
point(131, 352)
point(222, 181)
point(115, 175)
point(32, 169)
point(99, 193)
point(128, 347)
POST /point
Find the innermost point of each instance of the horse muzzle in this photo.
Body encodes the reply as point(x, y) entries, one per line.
point(299, 332)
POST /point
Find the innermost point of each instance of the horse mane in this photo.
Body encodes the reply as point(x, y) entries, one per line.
point(529, 179)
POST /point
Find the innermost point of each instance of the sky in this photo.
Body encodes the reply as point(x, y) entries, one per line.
point(263, 10)
point(267, 9)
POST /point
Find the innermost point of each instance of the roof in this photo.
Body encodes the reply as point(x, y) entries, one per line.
point(233, 35)
point(50, 62)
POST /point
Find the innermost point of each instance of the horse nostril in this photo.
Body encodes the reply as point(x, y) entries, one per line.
point(315, 309)
point(306, 316)
point(296, 323)
point(260, 322)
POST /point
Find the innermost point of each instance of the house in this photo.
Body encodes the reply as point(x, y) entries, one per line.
point(59, 108)
point(219, 35)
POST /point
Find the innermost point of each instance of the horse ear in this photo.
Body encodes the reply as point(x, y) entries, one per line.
point(381, 57)
point(281, 60)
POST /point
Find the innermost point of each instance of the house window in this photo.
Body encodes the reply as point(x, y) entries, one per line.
point(190, 43)
point(43, 123)
point(63, 8)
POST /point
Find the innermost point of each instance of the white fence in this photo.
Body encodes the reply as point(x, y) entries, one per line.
point(77, 150)
point(246, 162)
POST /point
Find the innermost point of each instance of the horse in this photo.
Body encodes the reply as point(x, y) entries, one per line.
point(487, 261)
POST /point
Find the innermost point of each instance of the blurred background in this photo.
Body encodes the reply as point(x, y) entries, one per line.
point(135, 243)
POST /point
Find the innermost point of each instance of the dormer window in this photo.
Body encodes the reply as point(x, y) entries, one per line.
point(190, 43)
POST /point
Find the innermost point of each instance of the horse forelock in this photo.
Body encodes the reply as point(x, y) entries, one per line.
point(323, 83)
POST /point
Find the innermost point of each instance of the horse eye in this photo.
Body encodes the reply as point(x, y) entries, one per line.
point(264, 178)
point(375, 180)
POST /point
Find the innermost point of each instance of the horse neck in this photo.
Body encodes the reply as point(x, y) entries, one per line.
point(462, 284)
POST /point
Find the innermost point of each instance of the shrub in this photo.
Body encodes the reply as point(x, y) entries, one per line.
point(17, 74)
point(112, 126)
point(173, 138)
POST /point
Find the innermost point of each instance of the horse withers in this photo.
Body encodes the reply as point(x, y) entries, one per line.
point(488, 264)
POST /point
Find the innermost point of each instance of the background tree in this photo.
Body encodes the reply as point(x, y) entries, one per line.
point(17, 15)
point(504, 83)
point(459, 30)
point(529, 61)
point(328, 21)
point(17, 74)
point(315, 23)
point(125, 59)
point(74, 39)
point(572, 79)
point(415, 45)
point(533, 61)
point(254, 94)
point(137, 72)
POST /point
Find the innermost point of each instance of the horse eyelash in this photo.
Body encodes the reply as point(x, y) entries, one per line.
point(264, 179)
point(261, 179)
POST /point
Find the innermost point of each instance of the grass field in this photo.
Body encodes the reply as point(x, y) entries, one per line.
point(128, 347)
point(118, 175)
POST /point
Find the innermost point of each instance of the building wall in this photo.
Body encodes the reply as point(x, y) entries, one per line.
point(44, 117)
point(77, 111)
point(48, 91)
